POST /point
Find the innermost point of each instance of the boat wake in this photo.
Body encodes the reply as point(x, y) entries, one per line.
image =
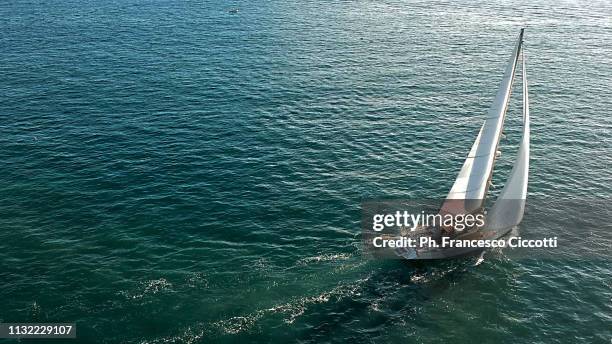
point(289, 311)
point(480, 259)
point(323, 258)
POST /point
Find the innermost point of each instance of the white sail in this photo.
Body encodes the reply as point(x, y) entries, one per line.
point(468, 192)
point(509, 207)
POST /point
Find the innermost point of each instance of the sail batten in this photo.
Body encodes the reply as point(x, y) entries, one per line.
point(469, 189)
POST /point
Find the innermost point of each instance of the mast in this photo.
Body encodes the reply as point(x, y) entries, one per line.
point(468, 193)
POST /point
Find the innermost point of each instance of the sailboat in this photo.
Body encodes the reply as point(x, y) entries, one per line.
point(468, 193)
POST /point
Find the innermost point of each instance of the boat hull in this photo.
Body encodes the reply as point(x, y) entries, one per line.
point(453, 252)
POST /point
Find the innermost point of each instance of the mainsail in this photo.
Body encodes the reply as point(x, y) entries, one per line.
point(509, 207)
point(469, 190)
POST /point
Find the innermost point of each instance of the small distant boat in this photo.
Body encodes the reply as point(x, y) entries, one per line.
point(233, 10)
point(468, 193)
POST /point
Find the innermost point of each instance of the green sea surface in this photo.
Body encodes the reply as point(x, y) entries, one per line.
point(171, 172)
